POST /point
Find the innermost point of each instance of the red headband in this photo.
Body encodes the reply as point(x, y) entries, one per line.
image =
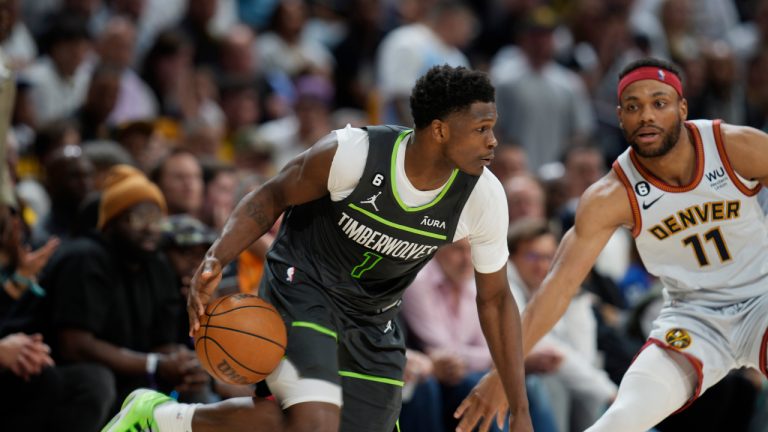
point(651, 73)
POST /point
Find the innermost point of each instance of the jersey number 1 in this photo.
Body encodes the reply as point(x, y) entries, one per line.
point(713, 235)
point(371, 259)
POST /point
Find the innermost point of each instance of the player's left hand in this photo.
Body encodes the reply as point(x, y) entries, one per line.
point(484, 403)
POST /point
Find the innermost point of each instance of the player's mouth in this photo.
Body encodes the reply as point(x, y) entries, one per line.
point(487, 159)
point(647, 135)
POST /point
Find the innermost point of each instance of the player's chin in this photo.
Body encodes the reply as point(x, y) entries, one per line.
point(475, 168)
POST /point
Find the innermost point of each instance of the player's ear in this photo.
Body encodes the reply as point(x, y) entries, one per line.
point(683, 108)
point(618, 114)
point(440, 130)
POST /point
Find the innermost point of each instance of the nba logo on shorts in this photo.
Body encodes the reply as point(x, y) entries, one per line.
point(662, 75)
point(289, 274)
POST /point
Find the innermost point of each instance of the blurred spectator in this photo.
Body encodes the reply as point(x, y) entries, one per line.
point(409, 51)
point(69, 179)
point(185, 241)
point(15, 39)
point(116, 47)
point(220, 185)
point(23, 121)
point(544, 106)
point(103, 92)
point(240, 104)
point(237, 52)
point(677, 22)
point(59, 80)
point(285, 50)
point(525, 198)
point(581, 388)
point(354, 77)
point(253, 155)
point(202, 139)
point(441, 314)
point(103, 156)
point(724, 92)
point(510, 160)
point(54, 136)
point(180, 178)
point(311, 121)
point(422, 400)
point(256, 13)
point(583, 165)
point(39, 395)
point(117, 302)
point(749, 38)
point(196, 25)
point(143, 142)
point(181, 92)
point(86, 9)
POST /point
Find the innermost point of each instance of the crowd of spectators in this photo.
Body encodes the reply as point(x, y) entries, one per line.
point(138, 124)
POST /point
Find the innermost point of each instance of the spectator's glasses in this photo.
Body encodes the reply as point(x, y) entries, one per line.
point(535, 257)
point(144, 218)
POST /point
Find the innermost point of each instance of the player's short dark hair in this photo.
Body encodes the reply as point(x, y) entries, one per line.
point(445, 89)
point(653, 62)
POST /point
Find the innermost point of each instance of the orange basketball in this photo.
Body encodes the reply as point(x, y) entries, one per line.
point(241, 339)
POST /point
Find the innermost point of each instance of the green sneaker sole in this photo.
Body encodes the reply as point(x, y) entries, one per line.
point(136, 412)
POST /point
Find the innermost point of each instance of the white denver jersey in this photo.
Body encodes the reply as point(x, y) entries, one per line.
point(706, 239)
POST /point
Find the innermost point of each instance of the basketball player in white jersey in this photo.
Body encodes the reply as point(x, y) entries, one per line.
point(687, 190)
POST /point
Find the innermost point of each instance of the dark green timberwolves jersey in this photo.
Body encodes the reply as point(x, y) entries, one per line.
point(366, 249)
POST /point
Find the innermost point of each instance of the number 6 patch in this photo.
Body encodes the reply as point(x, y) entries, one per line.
point(378, 179)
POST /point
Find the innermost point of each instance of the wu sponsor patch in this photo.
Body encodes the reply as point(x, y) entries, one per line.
point(678, 338)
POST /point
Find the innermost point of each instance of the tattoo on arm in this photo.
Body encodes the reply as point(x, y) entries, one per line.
point(257, 211)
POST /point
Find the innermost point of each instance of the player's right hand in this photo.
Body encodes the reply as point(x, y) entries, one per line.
point(204, 283)
point(484, 404)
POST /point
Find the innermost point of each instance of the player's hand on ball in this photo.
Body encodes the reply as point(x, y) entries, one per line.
point(204, 283)
point(485, 403)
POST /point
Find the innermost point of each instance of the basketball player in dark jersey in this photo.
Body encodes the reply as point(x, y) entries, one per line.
point(364, 210)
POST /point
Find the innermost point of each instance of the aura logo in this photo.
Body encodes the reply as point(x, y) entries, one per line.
point(432, 222)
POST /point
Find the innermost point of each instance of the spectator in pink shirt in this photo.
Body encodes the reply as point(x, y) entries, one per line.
point(440, 312)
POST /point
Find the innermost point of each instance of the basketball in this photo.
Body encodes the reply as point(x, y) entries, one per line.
point(241, 339)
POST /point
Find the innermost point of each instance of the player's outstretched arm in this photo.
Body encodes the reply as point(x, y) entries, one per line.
point(603, 208)
point(303, 179)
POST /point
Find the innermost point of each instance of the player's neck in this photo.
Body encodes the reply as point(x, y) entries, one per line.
point(425, 166)
point(678, 167)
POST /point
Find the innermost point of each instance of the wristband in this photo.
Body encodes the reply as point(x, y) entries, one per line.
point(29, 283)
point(152, 361)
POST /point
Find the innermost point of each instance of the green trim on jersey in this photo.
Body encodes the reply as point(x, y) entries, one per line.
point(382, 380)
point(397, 225)
point(392, 174)
point(316, 327)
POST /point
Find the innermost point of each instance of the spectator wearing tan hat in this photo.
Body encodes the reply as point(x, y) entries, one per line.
point(117, 301)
